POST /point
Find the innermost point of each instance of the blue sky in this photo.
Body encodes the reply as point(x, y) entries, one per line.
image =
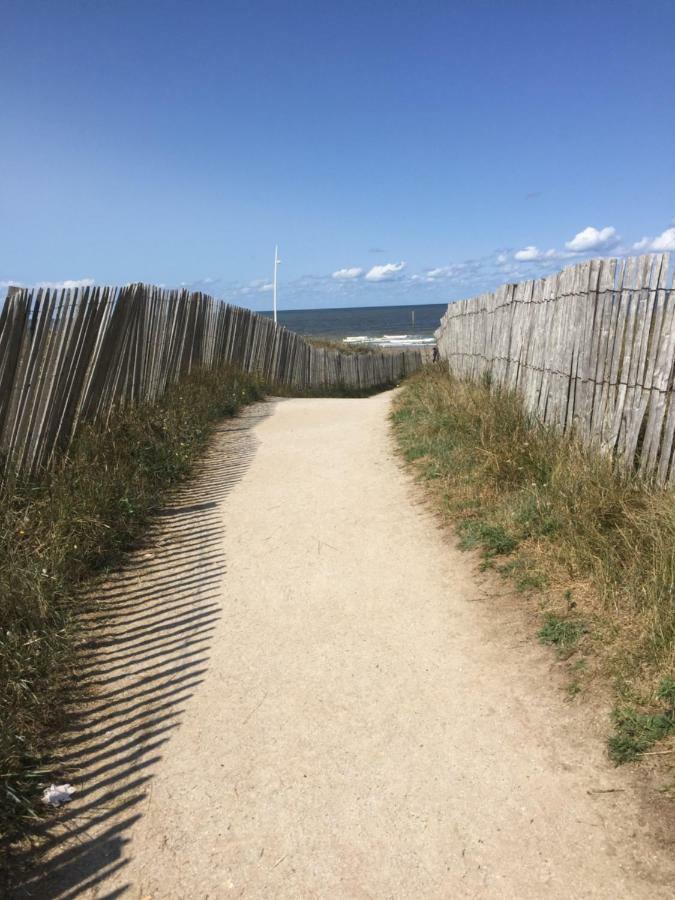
point(399, 152)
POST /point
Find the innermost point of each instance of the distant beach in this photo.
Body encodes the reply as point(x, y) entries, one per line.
point(383, 326)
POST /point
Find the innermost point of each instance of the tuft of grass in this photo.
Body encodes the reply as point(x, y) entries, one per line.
point(666, 692)
point(577, 672)
point(57, 531)
point(636, 732)
point(560, 632)
point(493, 540)
point(525, 576)
point(548, 504)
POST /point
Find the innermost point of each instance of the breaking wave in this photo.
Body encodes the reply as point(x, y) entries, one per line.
point(391, 340)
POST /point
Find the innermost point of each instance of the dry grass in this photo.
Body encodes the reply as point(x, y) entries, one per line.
point(335, 390)
point(341, 346)
point(56, 532)
point(596, 549)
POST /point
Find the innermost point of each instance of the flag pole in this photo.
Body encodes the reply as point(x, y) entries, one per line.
point(274, 293)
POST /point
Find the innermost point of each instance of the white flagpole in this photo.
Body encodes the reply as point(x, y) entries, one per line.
point(274, 293)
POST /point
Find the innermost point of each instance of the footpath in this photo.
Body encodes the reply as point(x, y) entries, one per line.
point(305, 691)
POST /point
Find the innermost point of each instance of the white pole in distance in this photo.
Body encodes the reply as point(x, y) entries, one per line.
point(274, 292)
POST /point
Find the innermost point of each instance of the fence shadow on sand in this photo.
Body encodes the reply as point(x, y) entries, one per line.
point(148, 638)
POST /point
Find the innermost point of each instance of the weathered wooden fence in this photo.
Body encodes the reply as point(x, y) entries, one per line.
point(72, 355)
point(590, 348)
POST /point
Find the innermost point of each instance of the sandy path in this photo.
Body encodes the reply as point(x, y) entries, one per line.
point(360, 727)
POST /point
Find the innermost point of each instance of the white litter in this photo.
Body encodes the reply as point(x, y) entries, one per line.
point(56, 794)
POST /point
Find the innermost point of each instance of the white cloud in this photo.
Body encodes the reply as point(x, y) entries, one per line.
point(346, 274)
point(593, 239)
point(589, 240)
point(663, 243)
point(51, 285)
point(502, 258)
point(58, 285)
point(258, 284)
point(385, 272)
point(455, 272)
point(528, 254)
point(431, 276)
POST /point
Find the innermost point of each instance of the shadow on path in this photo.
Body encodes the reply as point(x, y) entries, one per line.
point(146, 654)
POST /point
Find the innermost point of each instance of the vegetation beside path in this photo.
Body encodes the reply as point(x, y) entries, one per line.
point(593, 549)
point(341, 346)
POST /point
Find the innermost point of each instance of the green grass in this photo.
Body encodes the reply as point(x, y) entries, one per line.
point(558, 520)
point(525, 576)
point(637, 731)
point(666, 692)
point(57, 531)
point(493, 540)
point(560, 632)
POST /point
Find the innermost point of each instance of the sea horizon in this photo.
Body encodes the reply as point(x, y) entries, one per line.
point(395, 325)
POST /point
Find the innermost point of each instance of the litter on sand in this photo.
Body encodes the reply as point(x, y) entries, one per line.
point(56, 794)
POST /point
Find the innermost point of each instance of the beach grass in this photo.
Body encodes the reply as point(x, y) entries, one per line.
point(341, 346)
point(591, 548)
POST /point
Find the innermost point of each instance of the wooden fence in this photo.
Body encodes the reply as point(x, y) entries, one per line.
point(590, 348)
point(72, 355)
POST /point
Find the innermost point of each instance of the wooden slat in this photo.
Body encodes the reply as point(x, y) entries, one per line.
point(660, 353)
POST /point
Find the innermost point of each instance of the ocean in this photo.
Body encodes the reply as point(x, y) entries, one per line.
point(385, 326)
